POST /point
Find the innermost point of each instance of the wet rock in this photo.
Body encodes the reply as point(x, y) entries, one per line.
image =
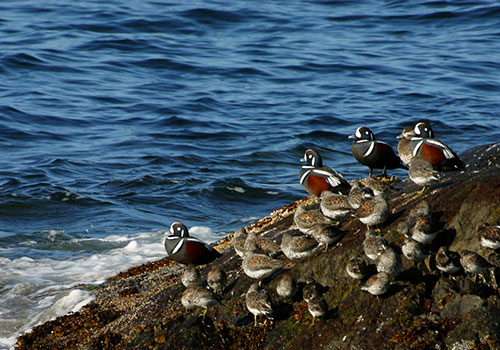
point(422, 309)
point(461, 305)
point(480, 326)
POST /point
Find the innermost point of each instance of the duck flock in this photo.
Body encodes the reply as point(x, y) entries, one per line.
point(425, 157)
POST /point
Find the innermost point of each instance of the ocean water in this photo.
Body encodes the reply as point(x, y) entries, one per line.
point(118, 118)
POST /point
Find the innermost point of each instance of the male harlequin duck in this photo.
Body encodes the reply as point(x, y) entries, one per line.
point(372, 153)
point(317, 178)
point(424, 145)
point(188, 250)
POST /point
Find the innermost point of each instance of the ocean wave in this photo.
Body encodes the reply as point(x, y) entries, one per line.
point(48, 287)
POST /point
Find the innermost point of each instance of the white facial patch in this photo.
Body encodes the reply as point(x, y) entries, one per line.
point(358, 133)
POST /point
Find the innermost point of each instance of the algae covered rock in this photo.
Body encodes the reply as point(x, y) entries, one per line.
point(423, 308)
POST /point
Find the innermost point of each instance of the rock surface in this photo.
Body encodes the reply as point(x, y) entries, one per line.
point(423, 309)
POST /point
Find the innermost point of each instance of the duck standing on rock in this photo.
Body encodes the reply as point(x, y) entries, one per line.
point(437, 153)
point(188, 250)
point(404, 148)
point(372, 153)
point(317, 178)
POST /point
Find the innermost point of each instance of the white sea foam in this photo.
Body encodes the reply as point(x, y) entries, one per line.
point(249, 219)
point(236, 189)
point(201, 232)
point(33, 291)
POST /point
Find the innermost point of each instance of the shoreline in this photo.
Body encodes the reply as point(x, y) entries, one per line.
point(140, 308)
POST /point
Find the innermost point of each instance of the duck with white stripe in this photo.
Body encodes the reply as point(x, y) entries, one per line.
point(317, 178)
point(188, 250)
point(372, 153)
point(436, 152)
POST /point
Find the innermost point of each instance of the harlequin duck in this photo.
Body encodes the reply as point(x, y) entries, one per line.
point(436, 152)
point(188, 250)
point(372, 153)
point(317, 178)
point(404, 149)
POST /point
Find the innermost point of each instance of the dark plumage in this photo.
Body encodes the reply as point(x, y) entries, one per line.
point(317, 178)
point(437, 153)
point(372, 153)
point(188, 250)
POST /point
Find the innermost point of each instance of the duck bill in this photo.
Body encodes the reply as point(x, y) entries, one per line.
point(351, 136)
point(406, 133)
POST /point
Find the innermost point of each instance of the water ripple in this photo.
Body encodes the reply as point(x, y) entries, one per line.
point(117, 118)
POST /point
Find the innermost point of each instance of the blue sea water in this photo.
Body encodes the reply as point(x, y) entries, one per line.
point(118, 118)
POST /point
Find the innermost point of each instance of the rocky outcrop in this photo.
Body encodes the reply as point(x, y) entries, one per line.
point(423, 309)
